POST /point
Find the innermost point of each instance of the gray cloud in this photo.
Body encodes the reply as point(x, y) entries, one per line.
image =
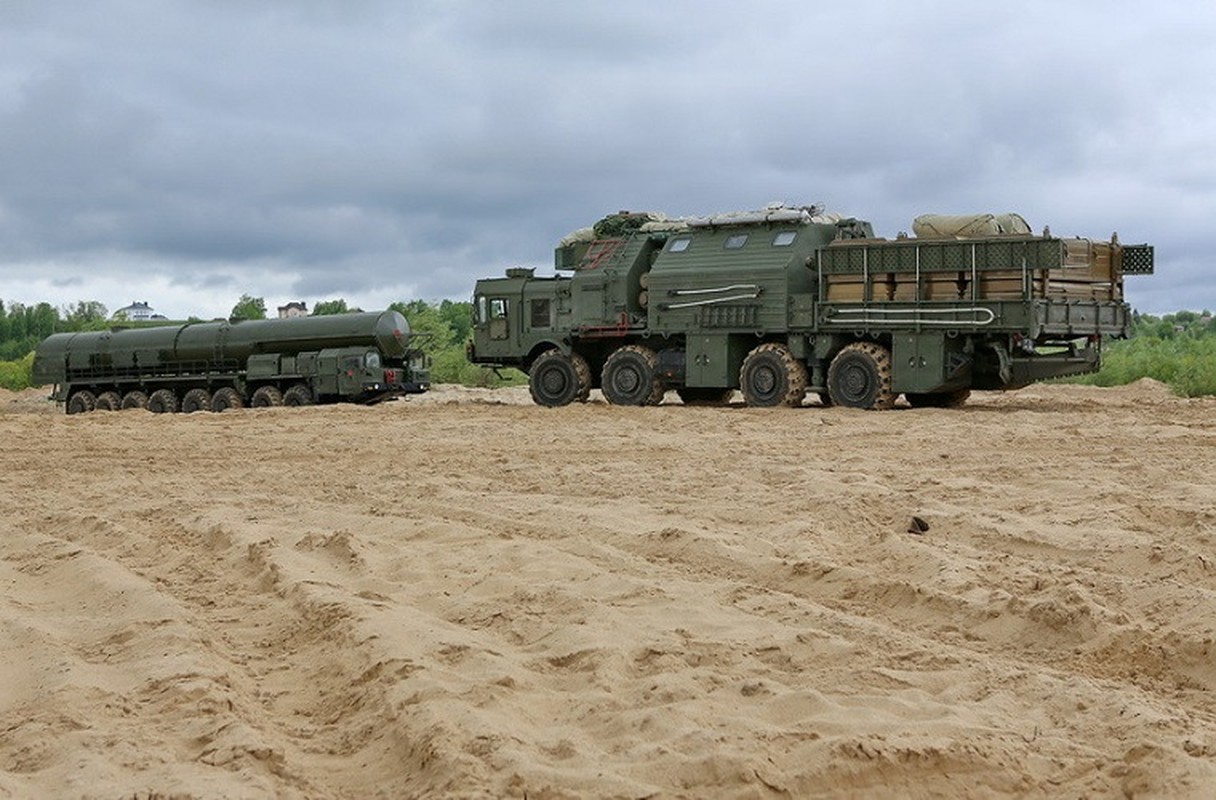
point(365, 149)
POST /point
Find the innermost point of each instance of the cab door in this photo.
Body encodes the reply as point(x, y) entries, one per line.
point(497, 312)
point(349, 372)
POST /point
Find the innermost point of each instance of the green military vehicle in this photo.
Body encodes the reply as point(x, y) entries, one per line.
point(784, 301)
point(214, 366)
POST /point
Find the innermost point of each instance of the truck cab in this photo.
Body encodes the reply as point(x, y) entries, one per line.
point(516, 315)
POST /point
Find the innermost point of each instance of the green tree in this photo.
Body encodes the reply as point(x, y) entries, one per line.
point(249, 308)
point(17, 326)
point(43, 320)
point(327, 307)
point(460, 316)
point(87, 315)
point(426, 321)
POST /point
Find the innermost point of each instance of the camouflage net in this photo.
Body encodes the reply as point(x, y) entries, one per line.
point(624, 223)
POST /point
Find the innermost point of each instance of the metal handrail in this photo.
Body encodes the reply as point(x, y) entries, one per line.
point(710, 301)
point(886, 315)
point(732, 288)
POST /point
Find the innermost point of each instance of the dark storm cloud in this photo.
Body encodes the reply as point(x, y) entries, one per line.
point(324, 149)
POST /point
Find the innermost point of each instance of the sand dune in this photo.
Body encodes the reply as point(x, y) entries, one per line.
point(465, 595)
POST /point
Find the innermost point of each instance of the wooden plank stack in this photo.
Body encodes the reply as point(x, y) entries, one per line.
point(1079, 270)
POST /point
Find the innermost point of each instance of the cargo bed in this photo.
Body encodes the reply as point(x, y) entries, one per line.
point(1038, 286)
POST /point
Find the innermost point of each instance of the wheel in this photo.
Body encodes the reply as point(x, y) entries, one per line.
point(955, 399)
point(162, 401)
point(771, 376)
point(266, 397)
point(554, 379)
point(134, 399)
point(631, 377)
point(81, 402)
point(226, 398)
point(860, 377)
point(704, 395)
point(298, 395)
point(196, 400)
point(109, 401)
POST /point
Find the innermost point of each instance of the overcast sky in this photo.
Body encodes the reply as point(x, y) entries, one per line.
point(186, 153)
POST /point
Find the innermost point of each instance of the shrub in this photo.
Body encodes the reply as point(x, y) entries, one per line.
point(17, 375)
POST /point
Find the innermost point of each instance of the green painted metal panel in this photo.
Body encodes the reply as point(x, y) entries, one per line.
point(714, 359)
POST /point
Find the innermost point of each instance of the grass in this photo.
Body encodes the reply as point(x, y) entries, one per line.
point(1187, 365)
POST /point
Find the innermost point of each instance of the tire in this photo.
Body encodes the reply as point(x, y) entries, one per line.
point(771, 376)
point(631, 377)
point(583, 370)
point(81, 402)
point(266, 397)
point(554, 379)
point(226, 398)
point(135, 399)
point(162, 401)
point(109, 401)
point(955, 399)
point(860, 377)
point(196, 400)
point(704, 395)
point(298, 395)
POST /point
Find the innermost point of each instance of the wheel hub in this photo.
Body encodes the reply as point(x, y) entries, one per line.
point(856, 382)
point(764, 381)
point(554, 381)
point(627, 381)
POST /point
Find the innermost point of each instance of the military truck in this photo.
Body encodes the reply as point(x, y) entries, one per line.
point(784, 301)
point(215, 366)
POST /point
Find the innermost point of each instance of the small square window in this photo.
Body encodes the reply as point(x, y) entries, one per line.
point(784, 238)
point(735, 241)
point(680, 245)
point(540, 314)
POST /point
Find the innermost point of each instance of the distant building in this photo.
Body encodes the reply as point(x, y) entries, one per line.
point(293, 310)
point(138, 311)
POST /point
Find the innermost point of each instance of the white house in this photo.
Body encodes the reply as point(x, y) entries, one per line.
point(138, 311)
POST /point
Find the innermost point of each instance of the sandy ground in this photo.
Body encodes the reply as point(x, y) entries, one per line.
point(466, 595)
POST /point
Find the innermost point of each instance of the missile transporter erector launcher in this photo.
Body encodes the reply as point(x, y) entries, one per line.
point(214, 366)
point(785, 301)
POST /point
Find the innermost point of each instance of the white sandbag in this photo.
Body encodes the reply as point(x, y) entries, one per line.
point(580, 236)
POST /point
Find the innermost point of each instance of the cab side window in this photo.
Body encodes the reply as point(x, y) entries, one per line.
point(498, 318)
